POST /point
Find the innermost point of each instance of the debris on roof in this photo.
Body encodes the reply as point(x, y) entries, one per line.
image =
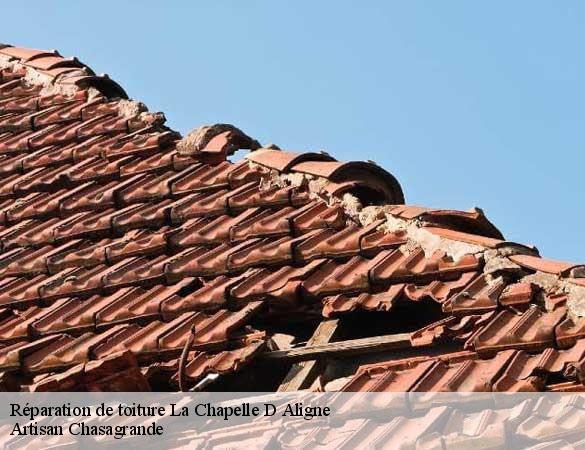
point(134, 259)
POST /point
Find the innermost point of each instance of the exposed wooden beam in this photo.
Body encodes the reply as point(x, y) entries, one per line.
point(341, 349)
point(302, 374)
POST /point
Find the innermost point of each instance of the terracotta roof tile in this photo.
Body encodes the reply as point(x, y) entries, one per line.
point(451, 328)
point(118, 372)
point(509, 370)
point(532, 330)
point(371, 243)
point(77, 253)
point(95, 169)
point(200, 205)
point(543, 265)
point(318, 215)
point(21, 292)
point(332, 277)
point(381, 301)
point(519, 294)
point(439, 290)
point(200, 261)
point(147, 215)
point(398, 266)
point(64, 352)
point(465, 237)
point(330, 243)
point(265, 252)
point(251, 197)
point(228, 361)
point(16, 326)
point(203, 231)
point(141, 242)
point(117, 235)
point(479, 296)
point(11, 356)
point(281, 287)
point(284, 161)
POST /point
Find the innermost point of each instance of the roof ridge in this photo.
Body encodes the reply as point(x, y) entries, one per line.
point(334, 181)
point(55, 72)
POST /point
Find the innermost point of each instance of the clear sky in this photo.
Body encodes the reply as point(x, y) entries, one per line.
point(466, 104)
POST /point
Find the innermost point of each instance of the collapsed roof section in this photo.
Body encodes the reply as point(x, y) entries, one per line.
point(133, 259)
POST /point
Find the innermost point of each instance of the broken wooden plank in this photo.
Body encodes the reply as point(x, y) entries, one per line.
point(342, 348)
point(302, 374)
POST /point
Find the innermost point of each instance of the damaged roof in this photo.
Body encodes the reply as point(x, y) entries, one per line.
point(133, 258)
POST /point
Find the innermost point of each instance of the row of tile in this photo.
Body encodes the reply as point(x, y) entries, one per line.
point(506, 371)
point(531, 423)
point(530, 328)
point(72, 173)
point(97, 159)
point(150, 342)
point(60, 302)
point(132, 304)
point(121, 371)
point(74, 110)
point(80, 207)
point(77, 132)
point(68, 72)
point(470, 293)
point(318, 277)
point(114, 222)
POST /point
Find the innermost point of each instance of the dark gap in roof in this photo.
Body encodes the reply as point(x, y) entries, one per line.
point(554, 378)
point(302, 330)
point(159, 382)
point(404, 317)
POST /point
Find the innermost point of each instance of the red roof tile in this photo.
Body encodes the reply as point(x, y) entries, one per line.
point(543, 265)
point(117, 236)
point(510, 370)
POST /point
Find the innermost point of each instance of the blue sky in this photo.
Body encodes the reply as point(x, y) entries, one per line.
point(466, 104)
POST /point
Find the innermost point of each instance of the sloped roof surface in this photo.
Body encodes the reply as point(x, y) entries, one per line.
point(130, 254)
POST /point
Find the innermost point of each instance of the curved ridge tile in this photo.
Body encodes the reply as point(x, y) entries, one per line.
point(283, 161)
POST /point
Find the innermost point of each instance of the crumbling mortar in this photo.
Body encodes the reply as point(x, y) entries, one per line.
point(316, 186)
point(495, 262)
point(417, 236)
point(6, 62)
point(35, 78)
point(196, 140)
point(130, 108)
point(52, 86)
point(551, 284)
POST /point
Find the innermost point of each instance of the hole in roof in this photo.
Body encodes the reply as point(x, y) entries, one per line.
point(412, 317)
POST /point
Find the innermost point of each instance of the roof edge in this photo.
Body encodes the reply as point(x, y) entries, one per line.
point(52, 70)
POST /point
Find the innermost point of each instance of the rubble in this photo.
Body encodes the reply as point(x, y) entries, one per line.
point(131, 108)
point(196, 141)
